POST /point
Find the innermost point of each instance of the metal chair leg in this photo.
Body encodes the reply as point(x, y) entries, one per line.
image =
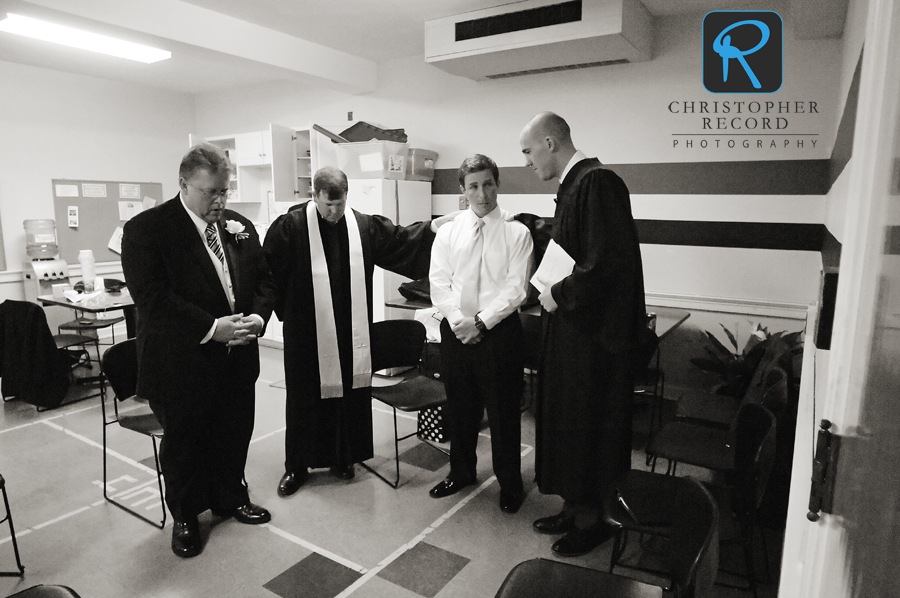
point(12, 534)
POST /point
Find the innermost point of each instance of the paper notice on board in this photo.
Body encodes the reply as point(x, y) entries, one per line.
point(129, 209)
point(148, 203)
point(555, 265)
point(115, 242)
point(93, 189)
point(130, 190)
point(66, 190)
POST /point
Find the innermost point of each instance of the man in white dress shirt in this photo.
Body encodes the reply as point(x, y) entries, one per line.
point(480, 265)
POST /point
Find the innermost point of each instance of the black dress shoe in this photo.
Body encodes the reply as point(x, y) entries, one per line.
point(344, 472)
point(249, 513)
point(291, 482)
point(186, 538)
point(448, 487)
point(511, 501)
point(555, 524)
point(581, 541)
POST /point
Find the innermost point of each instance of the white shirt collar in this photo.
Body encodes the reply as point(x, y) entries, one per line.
point(576, 158)
point(489, 218)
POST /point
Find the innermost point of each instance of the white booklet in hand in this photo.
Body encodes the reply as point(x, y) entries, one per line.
point(556, 265)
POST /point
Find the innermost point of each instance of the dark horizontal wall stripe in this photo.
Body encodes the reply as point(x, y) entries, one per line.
point(513, 179)
point(843, 142)
point(748, 235)
point(892, 241)
point(777, 177)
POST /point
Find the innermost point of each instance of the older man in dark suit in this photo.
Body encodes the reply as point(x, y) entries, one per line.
point(592, 319)
point(203, 294)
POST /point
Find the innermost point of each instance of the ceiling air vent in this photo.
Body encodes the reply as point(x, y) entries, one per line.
point(553, 69)
point(539, 36)
point(544, 16)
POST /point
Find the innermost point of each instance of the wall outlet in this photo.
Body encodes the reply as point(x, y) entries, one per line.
point(349, 116)
point(463, 202)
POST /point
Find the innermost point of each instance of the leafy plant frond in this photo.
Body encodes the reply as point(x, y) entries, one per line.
point(730, 337)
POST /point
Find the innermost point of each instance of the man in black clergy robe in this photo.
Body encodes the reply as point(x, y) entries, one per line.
point(203, 293)
point(592, 319)
point(323, 274)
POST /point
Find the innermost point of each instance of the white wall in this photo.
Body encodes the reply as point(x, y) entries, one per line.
point(61, 125)
point(618, 113)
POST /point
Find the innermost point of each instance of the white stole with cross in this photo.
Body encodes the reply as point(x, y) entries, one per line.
point(331, 384)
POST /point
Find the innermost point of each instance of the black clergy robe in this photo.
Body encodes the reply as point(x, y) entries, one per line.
point(336, 431)
point(583, 416)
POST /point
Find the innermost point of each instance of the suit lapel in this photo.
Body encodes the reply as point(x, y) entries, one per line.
point(196, 246)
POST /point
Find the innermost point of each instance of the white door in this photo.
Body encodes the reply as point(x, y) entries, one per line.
point(854, 551)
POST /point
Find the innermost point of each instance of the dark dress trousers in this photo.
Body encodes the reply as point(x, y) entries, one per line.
point(203, 394)
point(583, 416)
point(336, 431)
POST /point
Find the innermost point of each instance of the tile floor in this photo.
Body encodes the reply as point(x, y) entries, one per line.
point(333, 538)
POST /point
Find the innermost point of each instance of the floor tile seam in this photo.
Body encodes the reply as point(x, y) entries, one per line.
point(314, 548)
point(96, 444)
point(49, 522)
point(268, 435)
point(416, 540)
point(46, 419)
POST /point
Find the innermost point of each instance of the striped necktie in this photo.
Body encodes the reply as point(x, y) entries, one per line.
point(212, 239)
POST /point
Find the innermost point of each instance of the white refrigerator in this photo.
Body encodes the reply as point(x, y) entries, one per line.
point(404, 202)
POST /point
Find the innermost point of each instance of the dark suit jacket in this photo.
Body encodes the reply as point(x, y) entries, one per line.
point(178, 295)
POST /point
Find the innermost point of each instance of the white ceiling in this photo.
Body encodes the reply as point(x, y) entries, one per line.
point(218, 44)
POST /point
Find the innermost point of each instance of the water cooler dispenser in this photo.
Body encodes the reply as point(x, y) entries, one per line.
point(44, 269)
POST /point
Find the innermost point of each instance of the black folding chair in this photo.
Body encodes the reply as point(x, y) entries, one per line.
point(399, 344)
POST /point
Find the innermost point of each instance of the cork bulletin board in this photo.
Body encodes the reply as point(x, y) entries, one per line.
point(88, 214)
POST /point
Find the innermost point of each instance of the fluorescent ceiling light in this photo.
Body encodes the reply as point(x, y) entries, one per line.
point(76, 38)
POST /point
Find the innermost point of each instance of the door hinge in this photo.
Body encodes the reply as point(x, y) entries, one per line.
point(821, 493)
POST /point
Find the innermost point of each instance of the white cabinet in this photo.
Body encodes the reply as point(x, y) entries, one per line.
point(253, 149)
point(312, 150)
point(404, 202)
point(264, 170)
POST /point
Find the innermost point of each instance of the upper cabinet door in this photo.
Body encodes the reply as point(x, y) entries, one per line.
point(281, 141)
point(253, 148)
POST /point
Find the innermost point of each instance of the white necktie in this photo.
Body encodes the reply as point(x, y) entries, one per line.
point(468, 300)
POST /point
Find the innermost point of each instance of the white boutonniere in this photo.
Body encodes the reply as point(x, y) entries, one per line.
point(237, 229)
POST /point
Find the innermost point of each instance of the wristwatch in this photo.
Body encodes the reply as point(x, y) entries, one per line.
point(479, 324)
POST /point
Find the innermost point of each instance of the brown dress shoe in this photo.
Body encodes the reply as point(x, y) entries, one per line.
point(581, 541)
point(555, 524)
point(290, 482)
point(186, 538)
point(448, 487)
point(343, 472)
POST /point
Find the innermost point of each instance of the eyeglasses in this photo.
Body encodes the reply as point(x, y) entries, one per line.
point(215, 193)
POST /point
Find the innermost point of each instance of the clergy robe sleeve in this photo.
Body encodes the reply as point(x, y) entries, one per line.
point(144, 267)
point(265, 291)
point(280, 256)
point(606, 236)
point(405, 250)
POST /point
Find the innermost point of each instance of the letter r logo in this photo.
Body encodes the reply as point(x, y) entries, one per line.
point(742, 51)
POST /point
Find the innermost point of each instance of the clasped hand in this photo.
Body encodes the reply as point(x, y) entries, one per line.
point(236, 330)
point(467, 332)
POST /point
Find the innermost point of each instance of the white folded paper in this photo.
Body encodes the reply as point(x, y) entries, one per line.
point(76, 297)
point(556, 265)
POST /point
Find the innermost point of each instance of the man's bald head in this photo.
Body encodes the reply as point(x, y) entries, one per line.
point(546, 142)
